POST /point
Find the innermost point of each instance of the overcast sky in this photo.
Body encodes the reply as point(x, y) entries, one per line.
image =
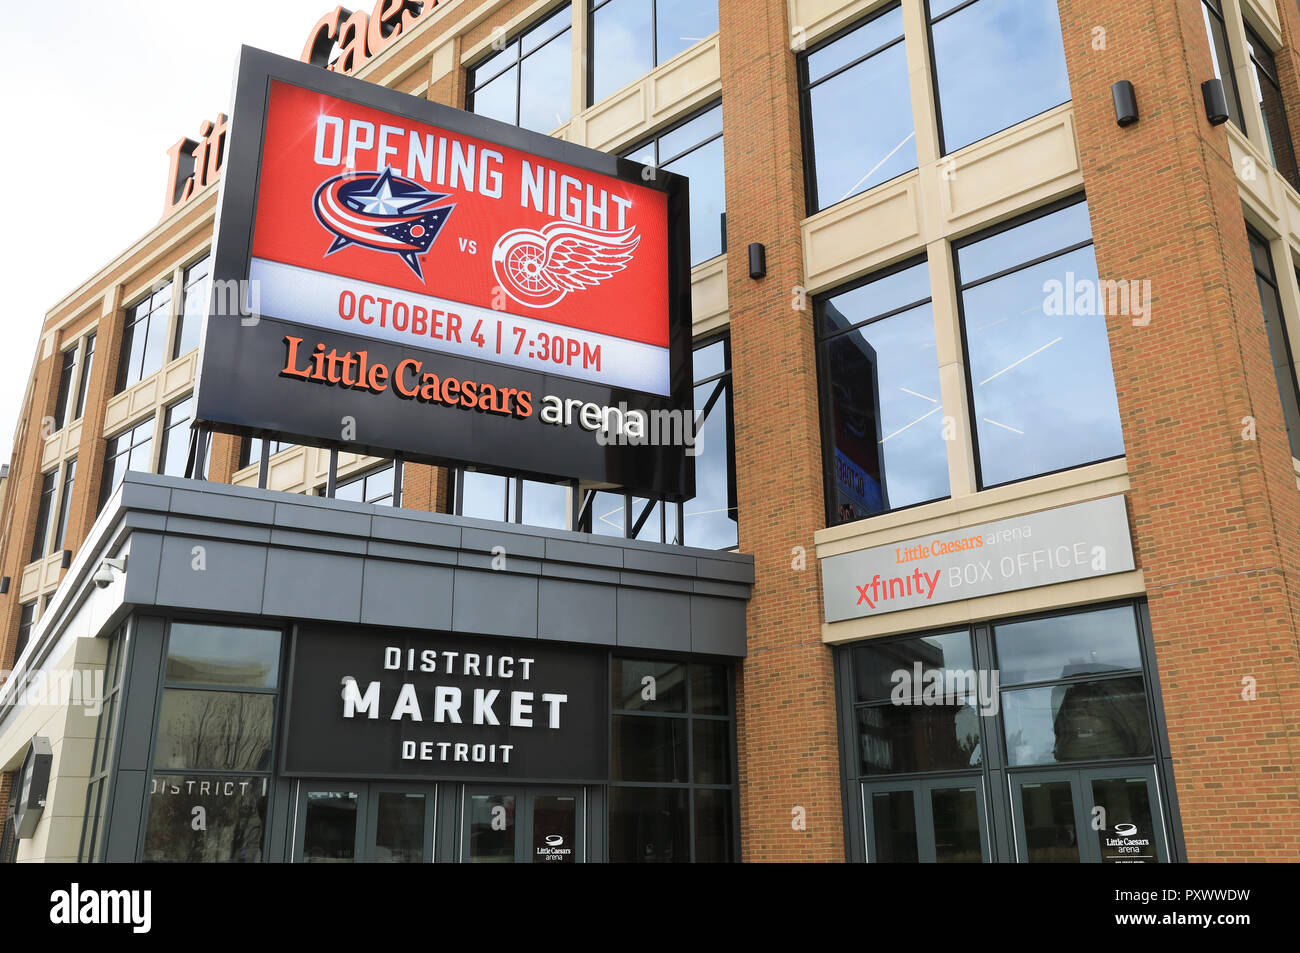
point(93, 95)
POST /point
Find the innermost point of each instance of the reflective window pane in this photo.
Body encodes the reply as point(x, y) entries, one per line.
point(649, 825)
point(899, 739)
point(708, 202)
point(648, 685)
point(1040, 370)
point(399, 828)
point(330, 827)
point(483, 496)
point(893, 818)
point(196, 302)
point(621, 45)
point(1279, 343)
point(234, 814)
point(545, 78)
point(1066, 646)
point(492, 829)
point(709, 689)
point(880, 669)
point(682, 23)
point(648, 749)
point(545, 504)
point(223, 655)
point(712, 752)
point(876, 33)
point(956, 816)
point(1077, 722)
point(497, 99)
point(860, 120)
point(882, 409)
point(1051, 835)
point(224, 731)
point(175, 452)
point(713, 828)
point(710, 518)
point(996, 63)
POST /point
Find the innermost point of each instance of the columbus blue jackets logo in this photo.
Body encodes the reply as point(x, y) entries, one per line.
point(381, 211)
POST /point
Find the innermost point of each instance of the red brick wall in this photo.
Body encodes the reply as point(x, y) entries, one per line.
point(789, 754)
point(1214, 514)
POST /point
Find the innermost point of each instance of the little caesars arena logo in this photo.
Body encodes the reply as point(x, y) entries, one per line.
point(554, 849)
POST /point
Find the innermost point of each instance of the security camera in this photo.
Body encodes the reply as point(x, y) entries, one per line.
point(104, 575)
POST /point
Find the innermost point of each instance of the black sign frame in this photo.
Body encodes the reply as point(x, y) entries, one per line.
point(228, 400)
point(577, 753)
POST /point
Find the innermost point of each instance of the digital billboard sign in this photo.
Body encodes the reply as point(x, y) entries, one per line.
point(415, 279)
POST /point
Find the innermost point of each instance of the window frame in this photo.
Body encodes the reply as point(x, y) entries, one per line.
point(1254, 235)
point(930, 22)
point(125, 373)
point(86, 362)
point(186, 285)
point(806, 85)
point(472, 83)
point(829, 494)
point(589, 93)
point(652, 142)
point(960, 288)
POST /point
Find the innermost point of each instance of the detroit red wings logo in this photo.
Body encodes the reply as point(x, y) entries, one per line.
point(538, 267)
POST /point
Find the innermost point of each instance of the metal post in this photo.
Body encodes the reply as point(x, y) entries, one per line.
point(263, 463)
point(332, 474)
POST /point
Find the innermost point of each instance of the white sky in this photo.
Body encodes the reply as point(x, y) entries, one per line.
point(91, 96)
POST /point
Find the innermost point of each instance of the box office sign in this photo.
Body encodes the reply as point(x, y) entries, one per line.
point(1079, 541)
point(402, 705)
point(417, 279)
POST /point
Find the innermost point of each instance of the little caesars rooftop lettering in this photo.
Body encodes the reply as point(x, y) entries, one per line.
point(449, 704)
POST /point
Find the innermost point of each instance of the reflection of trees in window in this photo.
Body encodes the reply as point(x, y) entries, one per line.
point(228, 731)
point(234, 814)
point(1106, 719)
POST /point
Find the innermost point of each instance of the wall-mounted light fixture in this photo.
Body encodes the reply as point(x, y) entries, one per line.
point(1216, 103)
point(757, 260)
point(4, 586)
point(1126, 104)
point(67, 559)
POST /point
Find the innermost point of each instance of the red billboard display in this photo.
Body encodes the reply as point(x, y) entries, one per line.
point(465, 291)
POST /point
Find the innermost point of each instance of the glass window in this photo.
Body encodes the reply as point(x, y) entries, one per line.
point(709, 519)
point(1279, 343)
point(694, 149)
point(648, 685)
point(83, 385)
point(1068, 646)
point(528, 81)
point(374, 486)
point(129, 450)
point(67, 368)
point(208, 730)
point(174, 454)
point(44, 514)
point(880, 668)
point(65, 501)
point(628, 38)
point(1221, 57)
point(1081, 721)
point(511, 499)
point(251, 453)
point(223, 655)
point(26, 619)
point(1038, 356)
point(857, 106)
point(190, 322)
point(101, 756)
point(649, 825)
point(1277, 134)
point(882, 416)
point(234, 814)
point(144, 338)
point(996, 63)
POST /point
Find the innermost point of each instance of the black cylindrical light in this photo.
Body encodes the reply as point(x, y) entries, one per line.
point(757, 260)
point(1216, 102)
point(4, 585)
point(1126, 104)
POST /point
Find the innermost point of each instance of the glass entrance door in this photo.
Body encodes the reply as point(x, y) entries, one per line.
point(371, 822)
point(509, 825)
point(938, 820)
point(1095, 815)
